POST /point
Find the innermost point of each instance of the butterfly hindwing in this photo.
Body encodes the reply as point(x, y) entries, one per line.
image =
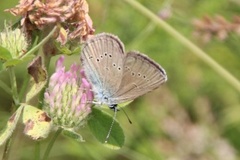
point(141, 75)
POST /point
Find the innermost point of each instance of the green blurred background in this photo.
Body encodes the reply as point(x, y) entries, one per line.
point(194, 116)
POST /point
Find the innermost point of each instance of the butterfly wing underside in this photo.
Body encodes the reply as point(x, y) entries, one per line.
point(141, 75)
point(102, 58)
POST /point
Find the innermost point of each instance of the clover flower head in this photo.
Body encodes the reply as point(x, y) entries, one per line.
point(14, 40)
point(68, 97)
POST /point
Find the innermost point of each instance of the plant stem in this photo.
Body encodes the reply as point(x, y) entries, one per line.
point(46, 62)
point(187, 43)
point(14, 87)
point(23, 89)
point(7, 149)
point(5, 88)
point(35, 48)
point(50, 145)
point(37, 151)
point(14, 94)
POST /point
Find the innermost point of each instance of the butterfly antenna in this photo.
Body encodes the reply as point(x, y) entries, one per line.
point(126, 115)
point(114, 118)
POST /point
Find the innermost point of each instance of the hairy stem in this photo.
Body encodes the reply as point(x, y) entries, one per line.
point(37, 151)
point(34, 49)
point(15, 96)
point(5, 88)
point(13, 81)
point(7, 149)
point(50, 145)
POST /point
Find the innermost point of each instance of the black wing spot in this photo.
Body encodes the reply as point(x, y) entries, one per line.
point(119, 68)
point(110, 55)
point(127, 68)
point(101, 56)
point(90, 57)
point(133, 73)
point(144, 76)
point(105, 53)
point(114, 64)
point(139, 75)
point(98, 59)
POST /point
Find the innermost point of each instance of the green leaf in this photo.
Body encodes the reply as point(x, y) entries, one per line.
point(100, 124)
point(27, 58)
point(5, 54)
point(68, 49)
point(77, 50)
point(11, 125)
point(37, 123)
point(12, 62)
point(73, 135)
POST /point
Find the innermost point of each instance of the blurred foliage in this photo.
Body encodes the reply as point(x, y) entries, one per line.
point(194, 116)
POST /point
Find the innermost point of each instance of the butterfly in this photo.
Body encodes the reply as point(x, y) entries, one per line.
point(117, 77)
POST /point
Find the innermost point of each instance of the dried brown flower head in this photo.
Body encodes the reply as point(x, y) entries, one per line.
point(72, 15)
point(209, 27)
point(236, 24)
point(217, 26)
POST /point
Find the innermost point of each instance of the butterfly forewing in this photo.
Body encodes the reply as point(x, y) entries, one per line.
point(102, 58)
point(141, 75)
